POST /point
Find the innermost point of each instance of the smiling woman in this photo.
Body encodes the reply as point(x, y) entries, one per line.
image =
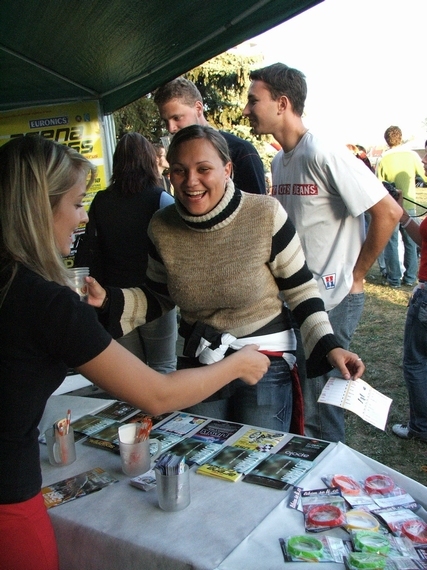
point(224, 256)
point(199, 173)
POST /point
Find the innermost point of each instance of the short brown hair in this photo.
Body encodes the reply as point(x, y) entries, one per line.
point(179, 88)
point(393, 136)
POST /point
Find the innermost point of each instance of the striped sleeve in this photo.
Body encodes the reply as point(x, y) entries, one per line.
point(300, 291)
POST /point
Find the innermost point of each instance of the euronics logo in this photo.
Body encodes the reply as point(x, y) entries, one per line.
point(52, 122)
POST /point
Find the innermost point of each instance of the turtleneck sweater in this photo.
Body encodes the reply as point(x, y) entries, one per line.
point(231, 269)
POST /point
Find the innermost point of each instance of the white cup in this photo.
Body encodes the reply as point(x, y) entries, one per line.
point(135, 457)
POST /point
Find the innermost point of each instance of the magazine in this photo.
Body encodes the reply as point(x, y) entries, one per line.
point(106, 438)
point(182, 424)
point(119, 411)
point(89, 425)
point(77, 486)
point(195, 451)
point(232, 463)
point(259, 439)
point(289, 464)
point(217, 431)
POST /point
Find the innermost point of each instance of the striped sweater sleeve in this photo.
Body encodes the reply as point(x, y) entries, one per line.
point(300, 291)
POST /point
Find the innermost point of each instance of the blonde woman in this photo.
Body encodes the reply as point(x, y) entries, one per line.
point(44, 329)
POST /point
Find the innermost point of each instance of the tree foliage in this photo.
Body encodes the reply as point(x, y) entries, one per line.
point(223, 83)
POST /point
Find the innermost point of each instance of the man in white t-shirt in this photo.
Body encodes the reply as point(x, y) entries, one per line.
point(326, 190)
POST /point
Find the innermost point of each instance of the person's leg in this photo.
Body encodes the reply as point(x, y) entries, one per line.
point(381, 265)
point(415, 363)
point(324, 421)
point(269, 403)
point(133, 343)
point(391, 259)
point(27, 537)
point(410, 259)
point(159, 342)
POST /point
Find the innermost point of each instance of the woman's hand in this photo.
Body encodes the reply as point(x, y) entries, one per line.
point(96, 293)
point(348, 363)
point(253, 364)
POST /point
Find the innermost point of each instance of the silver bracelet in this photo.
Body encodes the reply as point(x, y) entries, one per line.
point(406, 224)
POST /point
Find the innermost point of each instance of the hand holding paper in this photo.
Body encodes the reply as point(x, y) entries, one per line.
point(358, 397)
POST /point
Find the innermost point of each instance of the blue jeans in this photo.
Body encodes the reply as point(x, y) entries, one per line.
point(267, 405)
point(410, 258)
point(155, 343)
point(415, 362)
point(323, 421)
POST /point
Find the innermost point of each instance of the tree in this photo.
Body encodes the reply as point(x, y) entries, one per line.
point(223, 82)
point(141, 116)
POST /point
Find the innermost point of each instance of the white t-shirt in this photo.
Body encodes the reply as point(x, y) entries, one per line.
point(325, 191)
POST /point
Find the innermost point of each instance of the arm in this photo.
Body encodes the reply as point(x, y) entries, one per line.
point(125, 376)
point(301, 293)
point(385, 215)
point(411, 226)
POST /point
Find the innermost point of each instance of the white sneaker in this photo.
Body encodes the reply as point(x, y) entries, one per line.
point(401, 430)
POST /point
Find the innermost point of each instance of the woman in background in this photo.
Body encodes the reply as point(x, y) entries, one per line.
point(115, 244)
point(162, 166)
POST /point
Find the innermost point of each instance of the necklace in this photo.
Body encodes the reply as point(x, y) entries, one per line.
point(291, 154)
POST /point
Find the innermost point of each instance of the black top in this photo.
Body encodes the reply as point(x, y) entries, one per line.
point(114, 246)
point(44, 330)
point(248, 170)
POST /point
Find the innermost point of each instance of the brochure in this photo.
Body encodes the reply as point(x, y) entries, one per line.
point(77, 486)
point(358, 397)
point(195, 451)
point(182, 424)
point(217, 431)
point(288, 465)
point(232, 463)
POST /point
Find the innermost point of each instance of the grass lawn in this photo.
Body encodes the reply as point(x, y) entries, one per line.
point(379, 341)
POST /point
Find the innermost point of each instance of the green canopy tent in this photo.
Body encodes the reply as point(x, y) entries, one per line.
point(115, 51)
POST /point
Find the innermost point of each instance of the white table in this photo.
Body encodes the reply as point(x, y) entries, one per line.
point(228, 526)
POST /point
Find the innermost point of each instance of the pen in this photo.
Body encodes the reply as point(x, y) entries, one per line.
point(68, 421)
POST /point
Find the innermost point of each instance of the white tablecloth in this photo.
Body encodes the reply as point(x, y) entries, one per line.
point(228, 526)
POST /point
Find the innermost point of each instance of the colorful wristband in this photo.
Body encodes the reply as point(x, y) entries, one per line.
point(305, 547)
point(367, 561)
point(358, 519)
point(406, 224)
point(346, 484)
point(415, 531)
point(325, 515)
point(369, 541)
point(382, 484)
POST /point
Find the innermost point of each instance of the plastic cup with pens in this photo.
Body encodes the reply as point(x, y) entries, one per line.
point(136, 447)
point(60, 442)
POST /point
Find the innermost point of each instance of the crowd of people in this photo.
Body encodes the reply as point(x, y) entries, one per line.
point(268, 284)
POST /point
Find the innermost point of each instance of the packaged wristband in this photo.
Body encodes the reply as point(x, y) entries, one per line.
point(415, 531)
point(366, 561)
point(382, 484)
point(346, 484)
point(370, 541)
point(358, 519)
point(305, 548)
point(325, 515)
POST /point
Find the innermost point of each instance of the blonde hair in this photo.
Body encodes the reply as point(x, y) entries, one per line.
point(34, 175)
